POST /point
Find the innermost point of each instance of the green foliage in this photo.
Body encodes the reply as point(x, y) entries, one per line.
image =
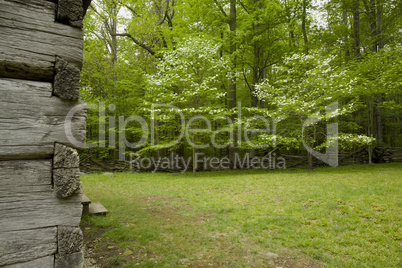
point(292, 59)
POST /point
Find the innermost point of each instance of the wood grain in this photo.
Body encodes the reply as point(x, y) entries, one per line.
point(27, 199)
point(31, 40)
point(31, 120)
point(45, 262)
point(66, 80)
point(65, 157)
point(69, 239)
point(27, 245)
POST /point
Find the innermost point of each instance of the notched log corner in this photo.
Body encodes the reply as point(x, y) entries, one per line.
point(86, 4)
point(71, 12)
point(69, 239)
point(65, 157)
point(66, 182)
point(66, 173)
point(75, 260)
point(67, 80)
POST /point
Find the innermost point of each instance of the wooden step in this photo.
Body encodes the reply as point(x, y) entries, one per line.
point(85, 201)
point(96, 208)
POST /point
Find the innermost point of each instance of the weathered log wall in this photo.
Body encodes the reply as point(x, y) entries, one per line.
point(32, 120)
point(32, 39)
point(41, 121)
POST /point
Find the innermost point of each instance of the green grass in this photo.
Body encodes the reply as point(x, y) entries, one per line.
point(336, 217)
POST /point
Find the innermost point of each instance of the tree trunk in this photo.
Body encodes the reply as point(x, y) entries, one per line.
point(346, 39)
point(256, 74)
point(379, 124)
point(393, 131)
point(232, 25)
point(291, 37)
point(373, 25)
point(310, 161)
point(371, 11)
point(356, 22)
point(304, 15)
point(329, 28)
point(112, 27)
point(194, 160)
point(256, 79)
point(380, 41)
point(232, 83)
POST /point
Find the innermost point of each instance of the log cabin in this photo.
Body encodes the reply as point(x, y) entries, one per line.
point(42, 123)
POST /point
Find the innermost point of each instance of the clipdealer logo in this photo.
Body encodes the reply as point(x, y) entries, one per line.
point(270, 161)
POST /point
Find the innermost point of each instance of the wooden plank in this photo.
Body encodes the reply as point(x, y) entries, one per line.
point(27, 199)
point(96, 208)
point(31, 8)
point(31, 55)
point(13, 18)
point(31, 121)
point(31, 40)
point(27, 245)
point(40, 44)
point(85, 201)
point(45, 262)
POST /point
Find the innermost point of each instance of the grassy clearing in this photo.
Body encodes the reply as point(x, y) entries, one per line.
point(336, 217)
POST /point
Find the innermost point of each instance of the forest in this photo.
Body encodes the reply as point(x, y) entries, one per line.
point(241, 77)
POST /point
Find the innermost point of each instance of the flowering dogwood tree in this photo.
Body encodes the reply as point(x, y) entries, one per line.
point(303, 87)
point(186, 85)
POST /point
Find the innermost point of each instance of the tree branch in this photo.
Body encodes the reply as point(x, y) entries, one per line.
point(172, 15)
point(245, 9)
point(131, 9)
point(220, 8)
point(163, 19)
point(366, 6)
point(147, 48)
point(246, 80)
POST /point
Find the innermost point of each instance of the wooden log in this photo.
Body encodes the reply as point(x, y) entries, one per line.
point(66, 182)
point(31, 120)
point(35, 15)
point(26, 245)
point(75, 260)
point(66, 172)
point(27, 200)
point(65, 157)
point(45, 262)
point(67, 80)
point(69, 239)
point(70, 12)
point(96, 208)
point(31, 40)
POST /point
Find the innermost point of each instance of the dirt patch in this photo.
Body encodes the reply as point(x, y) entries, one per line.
point(97, 251)
point(251, 254)
point(291, 259)
point(102, 252)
